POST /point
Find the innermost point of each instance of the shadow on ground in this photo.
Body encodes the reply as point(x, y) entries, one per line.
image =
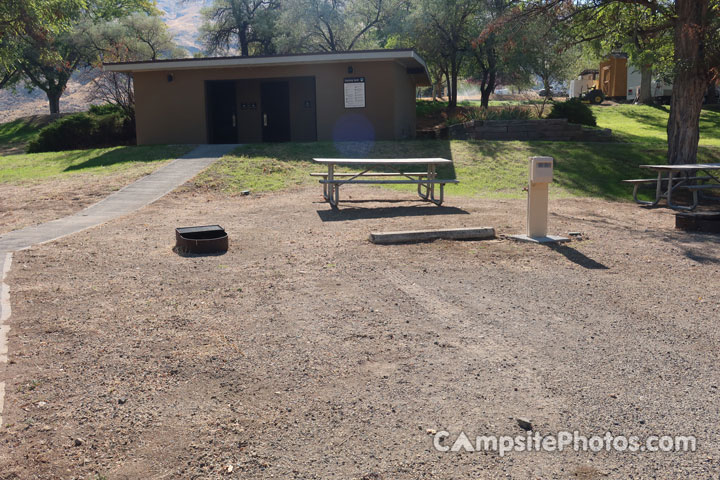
point(129, 154)
point(356, 213)
point(576, 257)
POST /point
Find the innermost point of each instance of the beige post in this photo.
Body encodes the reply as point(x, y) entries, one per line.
point(540, 177)
point(537, 210)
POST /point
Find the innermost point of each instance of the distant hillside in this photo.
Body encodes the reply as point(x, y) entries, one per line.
point(183, 19)
point(22, 103)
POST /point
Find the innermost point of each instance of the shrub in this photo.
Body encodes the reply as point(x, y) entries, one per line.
point(105, 109)
point(507, 113)
point(84, 130)
point(68, 133)
point(575, 111)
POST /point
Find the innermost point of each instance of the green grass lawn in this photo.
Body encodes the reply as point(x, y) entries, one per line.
point(484, 168)
point(490, 169)
point(642, 123)
point(17, 132)
point(98, 161)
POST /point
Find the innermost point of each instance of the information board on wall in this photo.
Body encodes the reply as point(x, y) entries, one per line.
point(355, 92)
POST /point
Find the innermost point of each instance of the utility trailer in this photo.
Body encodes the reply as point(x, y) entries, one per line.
point(615, 80)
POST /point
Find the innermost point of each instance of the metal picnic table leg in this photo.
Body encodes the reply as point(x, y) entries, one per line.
point(669, 195)
point(334, 189)
point(658, 192)
point(431, 176)
point(426, 186)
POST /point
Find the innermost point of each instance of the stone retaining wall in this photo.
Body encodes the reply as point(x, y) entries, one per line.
point(558, 130)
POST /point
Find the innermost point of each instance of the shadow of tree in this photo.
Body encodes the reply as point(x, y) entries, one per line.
point(129, 154)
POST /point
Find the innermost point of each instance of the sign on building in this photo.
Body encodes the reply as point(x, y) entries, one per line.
point(355, 92)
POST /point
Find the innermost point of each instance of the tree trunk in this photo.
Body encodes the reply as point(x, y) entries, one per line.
point(54, 100)
point(691, 80)
point(487, 89)
point(644, 96)
point(243, 41)
point(452, 96)
point(546, 86)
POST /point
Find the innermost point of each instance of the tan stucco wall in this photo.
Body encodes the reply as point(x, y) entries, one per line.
point(174, 112)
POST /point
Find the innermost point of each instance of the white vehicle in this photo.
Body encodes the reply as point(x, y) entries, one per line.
point(660, 91)
point(584, 83)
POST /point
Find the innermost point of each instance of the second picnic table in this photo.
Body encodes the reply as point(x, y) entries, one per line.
point(425, 181)
point(681, 176)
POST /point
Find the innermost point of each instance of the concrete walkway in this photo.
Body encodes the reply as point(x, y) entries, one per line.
point(131, 198)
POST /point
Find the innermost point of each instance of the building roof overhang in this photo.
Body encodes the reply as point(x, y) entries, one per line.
point(413, 63)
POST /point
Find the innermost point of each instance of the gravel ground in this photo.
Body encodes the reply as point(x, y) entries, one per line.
point(307, 352)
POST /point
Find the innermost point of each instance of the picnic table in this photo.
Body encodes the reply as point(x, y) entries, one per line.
point(694, 177)
point(425, 181)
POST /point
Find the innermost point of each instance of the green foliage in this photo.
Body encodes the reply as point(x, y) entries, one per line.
point(83, 130)
point(105, 109)
point(575, 111)
point(32, 19)
point(426, 108)
point(248, 25)
point(133, 37)
point(334, 25)
point(46, 57)
point(545, 49)
point(633, 27)
point(503, 113)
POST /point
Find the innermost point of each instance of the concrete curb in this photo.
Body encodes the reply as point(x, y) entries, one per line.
point(386, 238)
point(5, 262)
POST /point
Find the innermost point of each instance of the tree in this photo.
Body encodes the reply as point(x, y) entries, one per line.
point(634, 29)
point(445, 25)
point(695, 29)
point(334, 25)
point(47, 55)
point(29, 19)
point(137, 37)
point(245, 24)
point(414, 32)
point(50, 72)
point(546, 51)
point(696, 34)
point(9, 74)
point(499, 47)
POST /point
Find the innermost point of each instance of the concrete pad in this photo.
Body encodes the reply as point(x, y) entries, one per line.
point(546, 239)
point(384, 238)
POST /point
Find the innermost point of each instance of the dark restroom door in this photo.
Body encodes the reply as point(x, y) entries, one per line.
point(275, 101)
point(222, 112)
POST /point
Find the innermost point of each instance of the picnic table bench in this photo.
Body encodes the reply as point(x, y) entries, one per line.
point(671, 178)
point(425, 181)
